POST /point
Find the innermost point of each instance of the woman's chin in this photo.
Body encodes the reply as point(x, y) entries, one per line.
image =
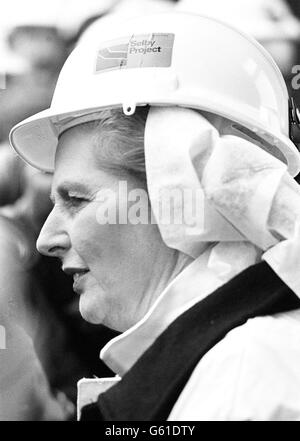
point(89, 310)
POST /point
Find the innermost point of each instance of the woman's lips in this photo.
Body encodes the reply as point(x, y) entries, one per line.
point(78, 279)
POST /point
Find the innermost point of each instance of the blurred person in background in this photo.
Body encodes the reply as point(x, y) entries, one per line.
point(32, 54)
point(43, 51)
point(25, 391)
point(10, 176)
point(25, 394)
point(29, 373)
point(35, 39)
point(271, 22)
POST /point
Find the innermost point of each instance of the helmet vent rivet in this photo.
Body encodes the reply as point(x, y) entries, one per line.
point(129, 109)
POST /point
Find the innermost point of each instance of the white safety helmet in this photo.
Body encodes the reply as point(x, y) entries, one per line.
point(166, 59)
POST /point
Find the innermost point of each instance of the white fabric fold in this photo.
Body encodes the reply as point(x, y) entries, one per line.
point(216, 266)
point(241, 180)
point(243, 192)
point(174, 137)
point(284, 259)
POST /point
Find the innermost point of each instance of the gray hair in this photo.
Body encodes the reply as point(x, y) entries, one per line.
point(119, 141)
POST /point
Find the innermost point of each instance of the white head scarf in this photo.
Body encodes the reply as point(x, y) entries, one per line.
point(248, 201)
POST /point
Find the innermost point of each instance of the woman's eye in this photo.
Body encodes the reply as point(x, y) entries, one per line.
point(76, 201)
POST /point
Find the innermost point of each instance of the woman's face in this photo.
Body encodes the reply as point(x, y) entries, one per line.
point(117, 268)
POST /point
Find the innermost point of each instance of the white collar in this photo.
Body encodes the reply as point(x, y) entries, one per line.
point(216, 266)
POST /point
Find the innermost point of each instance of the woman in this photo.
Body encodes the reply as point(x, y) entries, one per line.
point(180, 284)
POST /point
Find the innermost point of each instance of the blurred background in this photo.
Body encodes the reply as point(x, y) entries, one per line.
point(49, 347)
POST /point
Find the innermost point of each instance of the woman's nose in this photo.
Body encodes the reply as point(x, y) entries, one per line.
point(53, 240)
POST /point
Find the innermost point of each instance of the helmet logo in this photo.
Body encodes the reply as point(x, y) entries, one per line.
point(136, 51)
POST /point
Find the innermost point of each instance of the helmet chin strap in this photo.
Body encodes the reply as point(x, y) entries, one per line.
point(294, 118)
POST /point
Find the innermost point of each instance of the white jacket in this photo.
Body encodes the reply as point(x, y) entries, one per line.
point(251, 374)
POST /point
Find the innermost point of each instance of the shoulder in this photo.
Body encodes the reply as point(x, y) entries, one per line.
point(252, 374)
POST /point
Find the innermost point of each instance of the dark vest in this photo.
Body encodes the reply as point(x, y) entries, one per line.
point(149, 390)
